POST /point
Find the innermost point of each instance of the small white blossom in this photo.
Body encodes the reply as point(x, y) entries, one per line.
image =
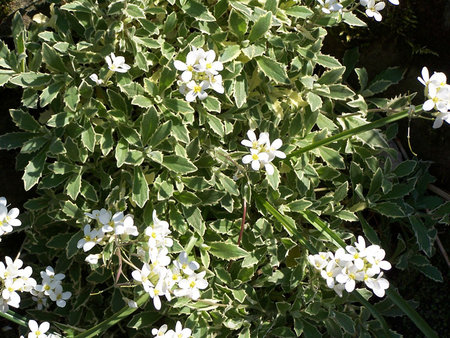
point(161, 332)
point(38, 331)
point(183, 264)
point(90, 239)
point(117, 63)
point(329, 6)
point(373, 8)
point(8, 218)
point(179, 332)
point(92, 258)
point(95, 78)
point(190, 286)
point(196, 90)
point(57, 295)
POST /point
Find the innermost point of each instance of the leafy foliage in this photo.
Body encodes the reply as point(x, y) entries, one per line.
point(134, 143)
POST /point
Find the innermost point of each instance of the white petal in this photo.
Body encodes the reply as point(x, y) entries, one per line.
point(186, 76)
point(428, 105)
point(247, 159)
point(269, 168)
point(179, 65)
point(251, 135)
point(256, 165)
point(277, 144)
point(190, 96)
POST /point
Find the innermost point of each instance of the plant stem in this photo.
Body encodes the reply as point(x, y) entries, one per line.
point(350, 132)
point(243, 222)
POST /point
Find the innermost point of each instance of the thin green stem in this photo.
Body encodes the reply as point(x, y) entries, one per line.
point(354, 131)
point(14, 317)
point(114, 319)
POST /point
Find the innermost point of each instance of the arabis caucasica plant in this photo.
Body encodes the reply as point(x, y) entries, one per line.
point(159, 202)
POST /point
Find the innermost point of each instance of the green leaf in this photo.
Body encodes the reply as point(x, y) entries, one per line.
point(344, 321)
point(339, 92)
point(237, 24)
point(229, 185)
point(389, 209)
point(88, 191)
point(274, 179)
point(61, 119)
point(161, 133)
point(33, 170)
point(194, 219)
point(73, 186)
point(117, 101)
point(240, 90)
point(352, 20)
point(302, 12)
point(142, 101)
point(226, 251)
point(328, 61)
point(121, 152)
point(332, 157)
point(133, 11)
point(272, 69)
point(14, 140)
point(34, 144)
point(230, 53)
point(314, 101)
point(50, 93)
point(52, 59)
point(212, 104)
point(143, 320)
point(431, 272)
point(31, 79)
point(24, 120)
point(261, 26)
point(331, 76)
point(106, 141)
point(186, 198)
point(140, 187)
point(424, 241)
point(149, 123)
point(72, 97)
point(168, 75)
point(178, 164)
point(88, 138)
point(405, 168)
point(131, 135)
point(197, 11)
point(178, 106)
point(216, 125)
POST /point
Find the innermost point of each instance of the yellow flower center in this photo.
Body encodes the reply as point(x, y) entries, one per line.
point(192, 284)
point(156, 292)
point(255, 157)
point(208, 65)
point(47, 287)
point(197, 89)
point(352, 276)
point(190, 68)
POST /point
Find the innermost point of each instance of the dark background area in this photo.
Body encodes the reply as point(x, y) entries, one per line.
point(412, 35)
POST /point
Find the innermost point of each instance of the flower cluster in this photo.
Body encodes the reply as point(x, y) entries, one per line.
point(262, 152)
point(14, 279)
point(329, 6)
point(108, 227)
point(178, 333)
point(373, 8)
point(8, 219)
point(50, 287)
point(437, 92)
point(157, 277)
point(200, 72)
point(358, 263)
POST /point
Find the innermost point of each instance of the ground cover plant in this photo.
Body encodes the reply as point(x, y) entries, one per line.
point(204, 169)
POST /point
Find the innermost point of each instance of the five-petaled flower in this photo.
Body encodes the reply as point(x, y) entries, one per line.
point(117, 63)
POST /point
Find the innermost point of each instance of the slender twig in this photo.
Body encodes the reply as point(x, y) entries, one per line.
point(119, 270)
point(243, 222)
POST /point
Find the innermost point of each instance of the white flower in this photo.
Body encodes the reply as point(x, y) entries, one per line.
point(160, 289)
point(142, 276)
point(349, 275)
point(215, 83)
point(253, 142)
point(183, 263)
point(272, 149)
point(127, 226)
point(329, 6)
point(438, 97)
point(208, 65)
point(38, 331)
point(8, 219)
point(378, 285)
point(375, 256)
point(57, 295)
point(440, 118)
point(255, 158)
point(157, 234)
point(320, 260)
point(49, 275)
point(373, 8)
point(161, 332)
point(179, 332)
point(330, 272)
point(90, 239)
point(92, 258)
point(191, 64)
point(196, 90)
point(117, 63)
point(94, 77)
point(190, 286)
point(394, 2)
